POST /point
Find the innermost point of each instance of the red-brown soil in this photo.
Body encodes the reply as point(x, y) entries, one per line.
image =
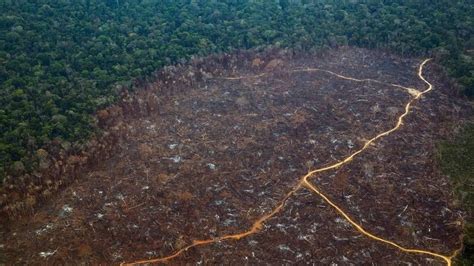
point(200, 156)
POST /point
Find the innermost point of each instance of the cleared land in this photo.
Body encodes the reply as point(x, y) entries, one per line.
point(213, 146)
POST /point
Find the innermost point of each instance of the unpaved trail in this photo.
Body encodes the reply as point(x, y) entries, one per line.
point(305, 183)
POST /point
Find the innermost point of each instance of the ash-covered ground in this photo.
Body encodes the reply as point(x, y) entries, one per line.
point(211, 146)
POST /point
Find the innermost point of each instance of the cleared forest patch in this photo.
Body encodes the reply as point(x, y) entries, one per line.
point(210, 147)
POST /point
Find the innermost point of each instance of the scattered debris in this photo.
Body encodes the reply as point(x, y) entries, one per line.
point(211, 166)
point(176, 159)
point(44, 229)
point(46, 254)
point(283, 247)
point(172, 146)
point(258, 135)
point(350, 144)
point(65, 210)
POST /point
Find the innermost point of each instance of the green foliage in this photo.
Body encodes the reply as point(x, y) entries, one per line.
point(61, 60)
point(457, 159)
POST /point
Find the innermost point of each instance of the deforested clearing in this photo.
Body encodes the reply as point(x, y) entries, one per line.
point(205, 161)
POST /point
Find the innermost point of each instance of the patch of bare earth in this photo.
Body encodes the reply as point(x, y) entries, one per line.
point(201, 156)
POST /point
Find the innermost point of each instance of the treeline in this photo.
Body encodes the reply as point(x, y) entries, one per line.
point(61, 60)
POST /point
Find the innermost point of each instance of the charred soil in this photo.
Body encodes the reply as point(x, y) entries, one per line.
point(210, 147)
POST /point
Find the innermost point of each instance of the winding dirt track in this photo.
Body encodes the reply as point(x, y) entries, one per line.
point(304, 181)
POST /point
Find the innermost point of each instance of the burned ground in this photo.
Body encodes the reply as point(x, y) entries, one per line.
point(211, 146)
